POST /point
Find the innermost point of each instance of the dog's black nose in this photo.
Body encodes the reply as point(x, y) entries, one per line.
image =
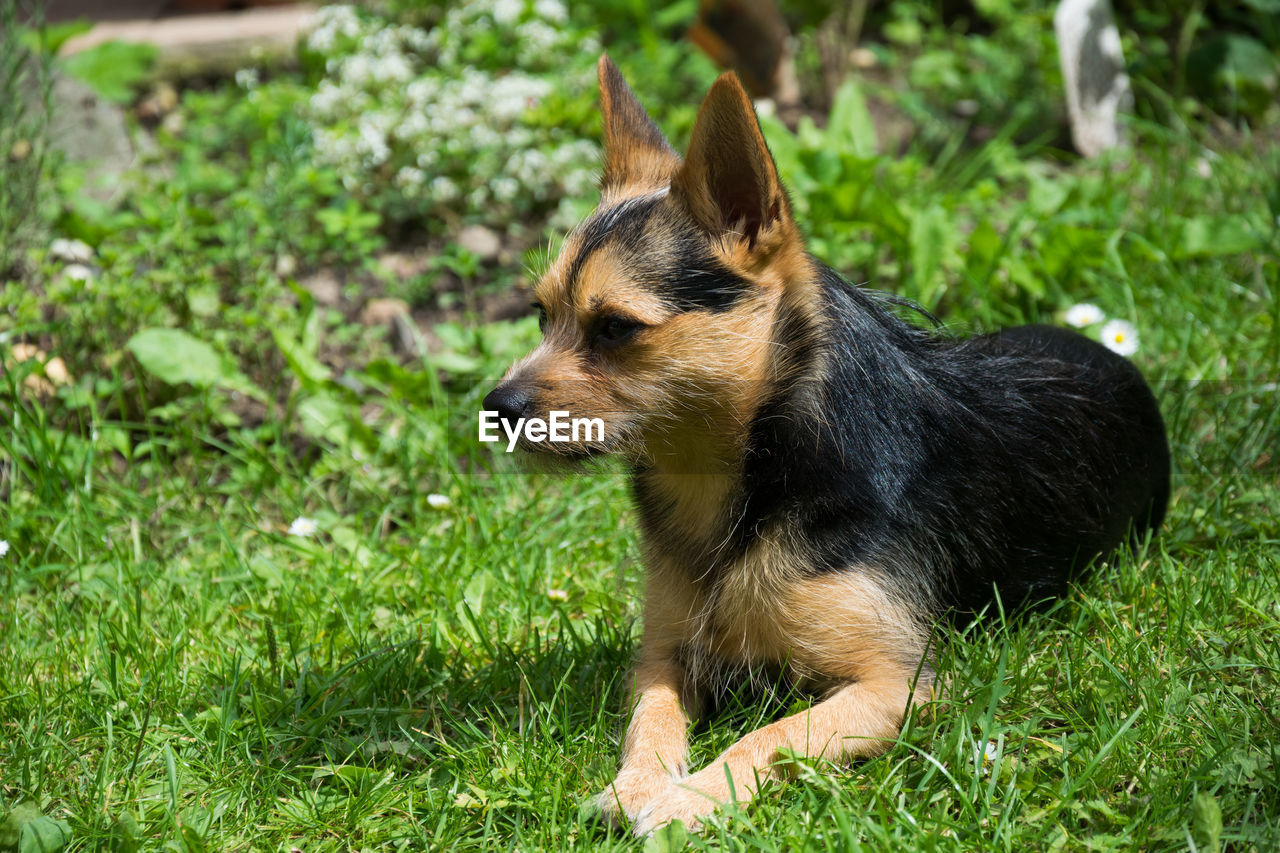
point(509, 400)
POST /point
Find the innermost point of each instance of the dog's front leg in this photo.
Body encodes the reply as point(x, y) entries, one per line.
point(655, 749)
point(861, 719)
point(656, 746)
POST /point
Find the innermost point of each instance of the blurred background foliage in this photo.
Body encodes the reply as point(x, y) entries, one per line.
point(930, 156)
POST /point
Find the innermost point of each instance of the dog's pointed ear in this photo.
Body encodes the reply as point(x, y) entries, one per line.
point(729, 180)
point(635, 151)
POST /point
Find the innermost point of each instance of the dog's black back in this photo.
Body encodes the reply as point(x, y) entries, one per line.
point(1002, 462)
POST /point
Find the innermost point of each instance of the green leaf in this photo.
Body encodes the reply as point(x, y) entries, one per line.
point(204, 301)
point(26, 830)
point(349, 540)
point(324, 417)
point(1206, 822)
point(11, 821)
point(311, 372)
point(175, 357)
point(932, 235)
point(113, 69)
point(985, 247)
point(475, 591)
point(1239, 72)
point(850, 127)
point(1206, 236)
point(667, 839)
point(1045, 197)
point(44, 835)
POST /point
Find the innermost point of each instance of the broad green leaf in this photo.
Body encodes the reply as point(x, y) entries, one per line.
point(44, 835)
point(1206, 236)
point(474, 594)
point(204, 301)
point(668, 838)
point(1044, 197)
point(176, 357)
point(454, 363)
point(11, 821)
point(349, 540)
point(984, 248)
point(849, 126)
point(1021, 274)
point(324, 417)
point(25, 830)
point(1239, 72)
point(114, 69)
point(309, 370)
point(1206, 822)
point(932, 236)
point(125, 834)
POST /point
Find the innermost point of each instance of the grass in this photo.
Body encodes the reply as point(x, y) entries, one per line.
point(178, 671)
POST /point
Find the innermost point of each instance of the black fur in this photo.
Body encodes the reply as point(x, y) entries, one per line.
point(678, 265)
point(954, 468)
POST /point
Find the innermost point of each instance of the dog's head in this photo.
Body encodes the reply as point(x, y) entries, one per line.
point(657, 313)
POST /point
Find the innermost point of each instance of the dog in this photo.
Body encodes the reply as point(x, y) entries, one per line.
point(818, 482)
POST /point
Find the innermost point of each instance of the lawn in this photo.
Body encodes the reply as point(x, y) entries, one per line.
point(261, 588)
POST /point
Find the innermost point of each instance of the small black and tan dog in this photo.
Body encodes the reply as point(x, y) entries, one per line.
point(817, 481)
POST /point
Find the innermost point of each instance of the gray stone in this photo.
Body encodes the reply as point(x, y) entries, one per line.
point(1097, 87)
point(480, 241)
point(85, 129)
point(394, 314)
point(325, 286)
point(380, 312)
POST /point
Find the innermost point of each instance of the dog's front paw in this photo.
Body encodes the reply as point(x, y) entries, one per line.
point(622, 801)
point(686, 803)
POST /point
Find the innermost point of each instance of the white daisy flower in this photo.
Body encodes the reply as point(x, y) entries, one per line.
point(1083, 315)
point(554, 594)
point(303, 527)
point(1120, 337)
point(438, 501)
point(4, 547)
point(990, 752)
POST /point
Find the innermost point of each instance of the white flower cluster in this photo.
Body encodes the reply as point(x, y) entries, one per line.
point(331, 24)
point(410, 110)
point(530, 33)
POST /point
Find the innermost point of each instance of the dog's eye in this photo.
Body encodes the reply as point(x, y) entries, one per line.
point(615, 330)
point(542, 316)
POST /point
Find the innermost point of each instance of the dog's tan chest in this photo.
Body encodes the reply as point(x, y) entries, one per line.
point(770, 609)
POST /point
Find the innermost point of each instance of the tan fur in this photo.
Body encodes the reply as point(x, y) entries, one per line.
point(694, 385)
point(841, 632)
point(860, 719)
point(680, 397)
point(637, 157)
